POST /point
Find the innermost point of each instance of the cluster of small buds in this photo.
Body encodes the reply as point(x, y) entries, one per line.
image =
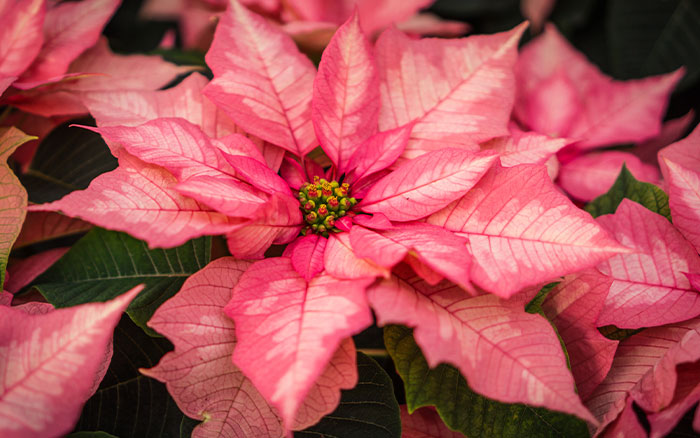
point(322, 203)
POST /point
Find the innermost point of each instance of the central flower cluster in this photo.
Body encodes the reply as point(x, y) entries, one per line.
point(323, 202)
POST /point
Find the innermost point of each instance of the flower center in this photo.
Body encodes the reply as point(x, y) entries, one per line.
point(323, 202)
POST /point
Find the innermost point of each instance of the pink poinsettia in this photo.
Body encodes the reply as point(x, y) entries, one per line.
point(404, 179)
point(39, 38)
point(311, 23)
point(561, 94)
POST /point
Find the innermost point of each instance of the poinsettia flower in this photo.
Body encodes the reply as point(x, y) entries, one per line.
point(356, 220)
point(561, 94)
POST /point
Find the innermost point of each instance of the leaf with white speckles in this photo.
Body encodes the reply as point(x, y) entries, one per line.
point(298, 323)
point(522, 231)
point(649, 287)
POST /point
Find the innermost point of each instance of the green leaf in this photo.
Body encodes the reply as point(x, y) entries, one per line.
point(91, 434)
point(461, 408)
point(128, 404)
point(649, 37)
point(535, 304)
point(627, 186)
point(367, 410)
point(67, 160)
point(104, 264)
point(617, 334)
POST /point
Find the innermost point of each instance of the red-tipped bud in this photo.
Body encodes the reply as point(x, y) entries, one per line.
point(329, 222)
point(310, 205)
point(333, 202)
point(322, 210)
point(311, 217)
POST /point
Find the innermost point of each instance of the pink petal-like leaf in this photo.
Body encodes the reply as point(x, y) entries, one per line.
point(199, 373)
point(537, 12)
point(228, 196)
point(573, 306)
point(680, 164)
point(645, 370)
point(345, 106)
point(307, 256)
point(504, 353)
point(44, 225)
point(649, 286)
point(13, 196)
point(585, 104)
point(553, 106)
point(23, 272)
point(671, 131)
point(277, 222)
point(522, 231)
point(262, 80)
point(136, 107)
point(97, 69)
point(258, 174)
point(292, 173)
point(21, 35)
point(379, 151)
point(140, 199)
point(324, 396)
point(426, 23)
point(424, 423)
point(341, 262)
point(310, 320)
point(48, 362)
point(461, 91)
point(426, 184)
point(525, 148)
point(592, 175)
point(69, 29)
point(5, 298)
point(620, 112)
point(175, 144)
point(377, 221)
point(687, 394)
point(374, 15)
point(438, 248)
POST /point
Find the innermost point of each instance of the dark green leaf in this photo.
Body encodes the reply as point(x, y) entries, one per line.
point(105, 264)
point(127, 403)
point(650, 37)
point(461, 408)
point(368, 410)
point(617, 334)
point(535, 304)
point(187, 425)
point(92, 434)
point(67, 160)
point(627, 186)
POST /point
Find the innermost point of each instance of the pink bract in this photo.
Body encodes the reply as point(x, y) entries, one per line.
point(349, 216)
point(560, 93)
point(49, 362)
point(680, 164)
point(649, 287)
point(454, 328)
